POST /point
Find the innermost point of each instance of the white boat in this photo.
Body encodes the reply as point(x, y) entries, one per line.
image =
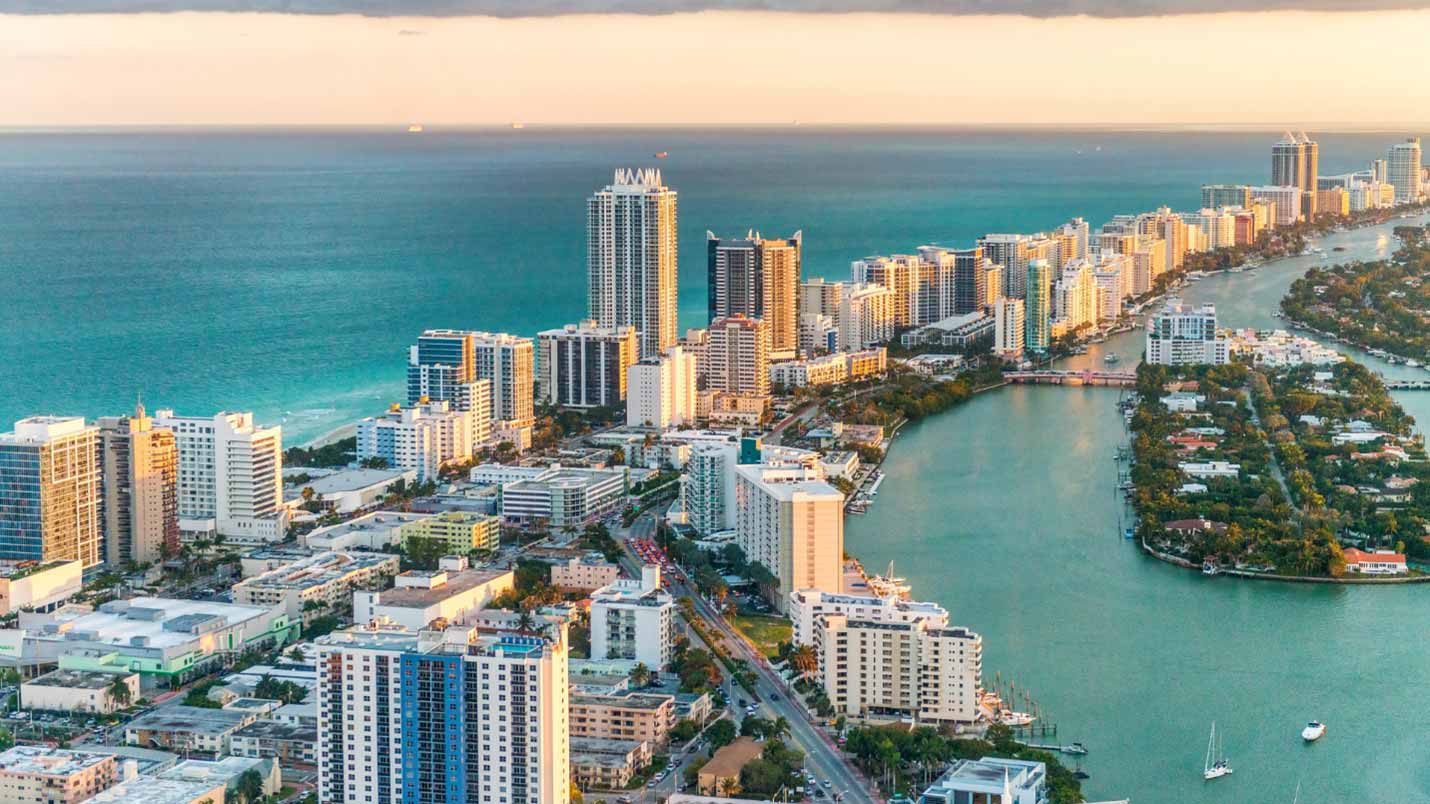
point(1215, 766)
point(1010, 718)
point(415, 128)
point(1209, 568)
point(1313, 731)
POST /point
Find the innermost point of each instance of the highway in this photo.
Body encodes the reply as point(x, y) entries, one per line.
point(822, 758)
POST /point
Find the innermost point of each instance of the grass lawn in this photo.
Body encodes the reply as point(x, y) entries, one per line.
point(765, 631)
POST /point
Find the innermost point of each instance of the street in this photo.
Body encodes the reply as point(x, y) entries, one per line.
point(822, 758)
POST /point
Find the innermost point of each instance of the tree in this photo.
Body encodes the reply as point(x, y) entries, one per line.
point(119, 691)
point(805, 660)
point(423, 553)
point(250, 786)
point(721, 733)
point(640, 675)
point(729, 787)
point(577, 797)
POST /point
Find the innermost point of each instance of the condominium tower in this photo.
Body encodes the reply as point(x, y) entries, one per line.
point(1403, 170)
point(443, 717)
point(1295, 160)
point(584, 365)
point(792, 522)
point(737, 356)
point(1037, 306)
point(230, 475)
point(631, 256)
point(757, 278)
point(140, 465)
point(452, 365)
point(50, 491)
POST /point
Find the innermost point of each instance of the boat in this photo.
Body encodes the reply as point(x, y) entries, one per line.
point(1129, 534)
point(1010, 718)
point(1209, 568)
point(661, 154)
point(1111, 357)
point(415, 128)
point(1215, 766)
point(1412, 363)
point(1075, 748)
point(1313, 731)
point(518, 125)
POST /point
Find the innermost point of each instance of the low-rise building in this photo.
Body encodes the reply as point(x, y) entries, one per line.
point(226, 771)
point(600, 764)
point(187, 729)
point(808, 606)
point(881, 670)
point(162, 639)
point(354, 489)
point(563, 496)
point(960, 331)
point(725, 764)
point(1006, 781)
point(1210, 469)
point(79, 691)
point(36, 586)
point(1182, 401)
point(1375, 562)
point(148, 790)
point(584, 574)
point(840, 464)
point(452, 593)
point(375, 531)
point(44, 775)
point(623, 716)
point(461, 531)
point(266, 559)
point(289, 743)
point(317, 585)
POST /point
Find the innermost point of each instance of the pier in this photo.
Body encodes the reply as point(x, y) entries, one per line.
point(1087, 377)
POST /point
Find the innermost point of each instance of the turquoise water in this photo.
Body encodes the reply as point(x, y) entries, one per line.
point(1004, 511)
point(286, 272)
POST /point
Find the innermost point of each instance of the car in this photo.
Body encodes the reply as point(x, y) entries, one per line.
point(774, 697)
point(826, 784)
point(650, 784)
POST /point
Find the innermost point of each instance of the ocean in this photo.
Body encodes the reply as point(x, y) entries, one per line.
point(286, 271)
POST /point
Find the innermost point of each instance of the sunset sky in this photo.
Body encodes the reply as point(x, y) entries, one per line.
point(1281, 68)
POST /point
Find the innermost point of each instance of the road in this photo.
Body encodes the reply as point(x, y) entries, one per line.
point(822, 758)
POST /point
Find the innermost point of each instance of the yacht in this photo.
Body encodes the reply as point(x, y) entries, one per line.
point(1209, 568)
point(1111, 357)
point(415, 128)
point(1010, 718)
point(1216, 765)
point(1313, 731)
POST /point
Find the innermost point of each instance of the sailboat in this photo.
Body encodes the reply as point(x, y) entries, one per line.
point(1215, 765)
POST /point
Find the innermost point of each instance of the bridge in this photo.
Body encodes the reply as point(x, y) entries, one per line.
point(1088, 377)
point(1407, 385)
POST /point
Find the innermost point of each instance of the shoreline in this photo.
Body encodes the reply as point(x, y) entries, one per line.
point(1168, 558)
point(336, 434)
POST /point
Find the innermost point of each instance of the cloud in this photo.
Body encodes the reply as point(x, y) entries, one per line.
point(552, 8)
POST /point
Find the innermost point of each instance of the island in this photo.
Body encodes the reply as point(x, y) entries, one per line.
point(1298, 472)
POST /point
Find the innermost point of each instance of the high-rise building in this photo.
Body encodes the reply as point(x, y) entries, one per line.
point(1180, 335)
point(1076, 300)
point(230, 475)
point(936, 285)
point(865, 316)
point(50, 491)
point(970, 281)
point(422, 437)
point(1226, 195)
point(1037, 306)
point(992, 285)
point(820, 297)
point(631, 254)
point(660, 391)
point(1072, 240)
point(1310, 167)
point(707, 486)
point(737, 356)
point(792, 523)
point(584, 365)
point(508, 363)
point(1011, 252)
point(1380, 171)
point(901, 274)
point(433, 717)
point(140, 465)
point(1403, 170)
point(1291, 166)
point(1008, 329)
point(757, 278)
point(442, 366)
point(634, 619)
point(1287, 200)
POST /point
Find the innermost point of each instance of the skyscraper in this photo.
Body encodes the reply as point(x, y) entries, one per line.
point(1295, 159)
point(1403, 170)
point(230, 475)
point(970, 289)
point(1037, 311)
point(631, 256)
point(1009, 329)
point(758, 278)
point(737, 356)
point(50, 491)
point(140, 465)
point(584, 366)
point(442, 367)
point(900, 274)
point(1215, 196)
point(1011, 252)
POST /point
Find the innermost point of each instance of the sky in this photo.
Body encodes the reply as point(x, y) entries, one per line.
point(719, 62)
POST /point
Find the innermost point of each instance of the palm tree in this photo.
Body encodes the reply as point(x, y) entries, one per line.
point(525, 623)
point(119, 691)
point(640, 675)
point(805, 660)
point(729, 786)
point(779, 728)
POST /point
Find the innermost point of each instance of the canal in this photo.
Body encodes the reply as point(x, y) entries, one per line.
point(1004, 511)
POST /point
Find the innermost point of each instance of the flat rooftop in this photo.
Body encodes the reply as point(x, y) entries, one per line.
point(178, 717)
point(152, 790)
point(162, 622)
point(35, 759)
point(412, 597)
point(624, 700)
point(317, 570)
point(76, 679)
point(213, 772)
point(274, 730)
point(352, 480)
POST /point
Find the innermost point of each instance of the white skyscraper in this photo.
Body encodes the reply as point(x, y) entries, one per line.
point(631, 257)
point(1008, 326)
point(660, 391)
point(422, 437)
point(1403, 170)
point(230, 475)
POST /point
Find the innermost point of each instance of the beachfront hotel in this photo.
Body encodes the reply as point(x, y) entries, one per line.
point(50, 491)
point(140, 466)
point(230, 476)
point(631, 257)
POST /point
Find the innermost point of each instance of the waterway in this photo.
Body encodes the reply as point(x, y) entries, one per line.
point(1004, 511)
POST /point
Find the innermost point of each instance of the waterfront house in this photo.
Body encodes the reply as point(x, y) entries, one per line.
point(1210, 469)
point(1376, 562)
point(1006, 781)
point(1182, 401)
point(1189, 527)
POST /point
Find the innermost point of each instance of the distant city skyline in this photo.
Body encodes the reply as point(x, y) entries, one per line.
point(772, 68)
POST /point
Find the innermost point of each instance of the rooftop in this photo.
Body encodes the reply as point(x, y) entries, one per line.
point(145, 622)
point(151, 790)
point(179, 717)
point(730, 759)
point(274, 730)
point(76, 679)
point(37, 759)
point(416, 597)
point(625, 700)
point(318, 570)
point(353, 480)
point(218, 771)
